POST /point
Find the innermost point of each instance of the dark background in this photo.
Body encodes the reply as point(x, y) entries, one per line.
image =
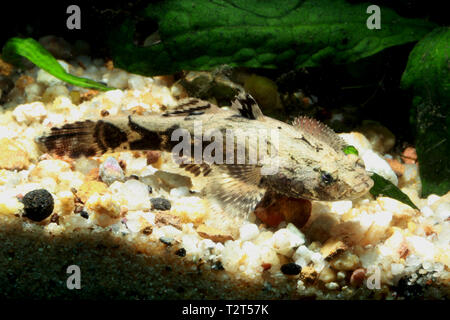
point(371, 84)
point(39, 18)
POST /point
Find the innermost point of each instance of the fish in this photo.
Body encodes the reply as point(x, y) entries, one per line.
point(239, 153)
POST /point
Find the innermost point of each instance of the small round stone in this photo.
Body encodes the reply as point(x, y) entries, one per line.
point(160, 204)
point(291, 269)
point(248, 231)
point(332, 286)
point(147, 230)
point(110, 171)
point(357, 277)
point(181, 252)
point(38, 204)
point(84, 214)
point(153, 156)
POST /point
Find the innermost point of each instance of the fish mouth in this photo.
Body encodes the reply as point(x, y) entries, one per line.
point(361, 188)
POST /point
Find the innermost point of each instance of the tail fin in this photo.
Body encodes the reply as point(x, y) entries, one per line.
point(83, 138)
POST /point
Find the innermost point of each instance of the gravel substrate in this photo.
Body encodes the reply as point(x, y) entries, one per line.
point(140, 230)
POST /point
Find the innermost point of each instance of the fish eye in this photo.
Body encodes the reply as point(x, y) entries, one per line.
point(326, 178)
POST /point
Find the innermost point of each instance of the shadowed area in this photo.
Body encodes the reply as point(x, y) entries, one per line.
point(33, 265)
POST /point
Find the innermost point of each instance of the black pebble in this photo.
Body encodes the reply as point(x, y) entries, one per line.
point(409, 291)
point(217, 266)
point(181, 252)
point(38, 204)
point(84, 214)
point(291, 269)
point(160, 204)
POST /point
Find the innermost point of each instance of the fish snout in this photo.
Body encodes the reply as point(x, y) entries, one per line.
point(362, 187)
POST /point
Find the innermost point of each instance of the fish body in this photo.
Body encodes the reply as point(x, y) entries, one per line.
point(241, 153)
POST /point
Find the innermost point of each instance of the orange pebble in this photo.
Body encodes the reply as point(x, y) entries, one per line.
point(409, 155)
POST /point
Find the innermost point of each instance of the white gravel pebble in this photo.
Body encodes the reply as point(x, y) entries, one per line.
point(397, 268)
point(443, 211)
point(118, 79)
point(136, 166)
point(115, 95)
point(284, 241)
point(358, 140)
point(206, 244)
point(190, 244)
point(248, 231)
point(432, 198)
point(375, 163)
point(302, 256)
point(332, 286)
point(179, 192)
point(421, 246)
point(28, 113)
point(341, 207)
point(136, 82)
point(427, 211)
point(136, 195)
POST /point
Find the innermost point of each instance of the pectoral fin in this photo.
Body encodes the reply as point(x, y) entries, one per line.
point(234, 189)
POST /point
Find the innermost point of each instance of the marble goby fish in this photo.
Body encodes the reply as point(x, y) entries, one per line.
point(310, 163)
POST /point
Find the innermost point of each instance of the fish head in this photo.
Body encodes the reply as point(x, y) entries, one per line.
point(328, 175)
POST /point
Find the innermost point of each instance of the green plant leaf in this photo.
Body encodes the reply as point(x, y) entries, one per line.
point(383, 187)
point(350, 150)
point(202, 34)
point(36, 53)
point(427, 75)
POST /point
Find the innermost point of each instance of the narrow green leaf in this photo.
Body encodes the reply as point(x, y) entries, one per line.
point(36, 53)
point(202, 34)
point(383, 187)
point(427, 75)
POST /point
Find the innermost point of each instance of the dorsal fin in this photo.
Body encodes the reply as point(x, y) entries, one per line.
point(247, 107)
point(321, 131)
point(190, 106)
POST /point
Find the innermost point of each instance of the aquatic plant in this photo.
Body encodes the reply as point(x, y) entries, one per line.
point(29, 48)
point(427, 76)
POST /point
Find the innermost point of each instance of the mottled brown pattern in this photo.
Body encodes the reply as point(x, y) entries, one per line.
point(197, 169)
point(107, 136)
